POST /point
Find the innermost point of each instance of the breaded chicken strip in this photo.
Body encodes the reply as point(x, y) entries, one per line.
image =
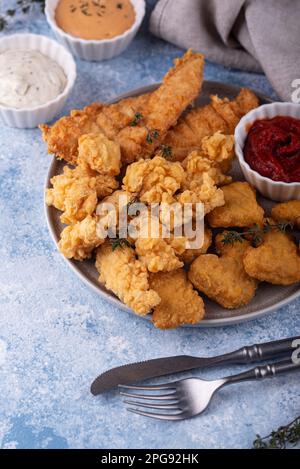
point(276, 260)
point(127, 277)
point(240, 210)
point(219, 115)
point(62, 137)
point(79, 240)
point(137, 124)
point(179, 89)
point(223, 278)
point(100, 154)
point(76, 191)
point(287, 211)
point(180, 303)
point(154, 180)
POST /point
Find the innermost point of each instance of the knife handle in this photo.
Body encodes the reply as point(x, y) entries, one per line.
point(264, 351)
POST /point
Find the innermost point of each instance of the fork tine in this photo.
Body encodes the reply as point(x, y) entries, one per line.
point(157, 397)
point(154, 387)
point(157, 416)
point(153, 406)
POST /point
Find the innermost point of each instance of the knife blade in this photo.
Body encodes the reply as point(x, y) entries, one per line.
point(139, 371)
point(154, 368)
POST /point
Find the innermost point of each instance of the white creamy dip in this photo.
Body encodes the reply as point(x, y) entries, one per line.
point(29, 78)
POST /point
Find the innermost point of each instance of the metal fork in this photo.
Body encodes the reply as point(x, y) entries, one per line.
point(189, 397)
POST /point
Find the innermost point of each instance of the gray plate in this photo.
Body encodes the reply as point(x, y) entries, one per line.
point(268, 297)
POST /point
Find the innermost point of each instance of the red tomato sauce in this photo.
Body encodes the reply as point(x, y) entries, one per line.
point(272, 148)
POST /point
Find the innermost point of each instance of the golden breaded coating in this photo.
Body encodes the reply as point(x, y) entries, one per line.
point(62, 137)
point(223, 278)
point(287, 211)
point(216, 153)
point(180, 303)
point(240, 210)
point(207, 193)
point(219, 115)
point(157, 254)
point(154, 180)
point(276, 260)
point(178, 90)
point(99, 153)
point(157, 113)
point(79, 240)
point(127, 277)
point(108, 210)
point(189, 255)
point(76, 191)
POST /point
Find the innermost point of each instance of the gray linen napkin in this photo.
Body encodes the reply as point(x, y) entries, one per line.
point(254, 35)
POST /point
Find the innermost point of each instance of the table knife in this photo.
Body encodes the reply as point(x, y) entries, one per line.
point(156, 367)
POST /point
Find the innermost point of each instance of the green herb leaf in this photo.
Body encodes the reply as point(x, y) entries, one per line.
point(255, 233)
point(282, 438)
point(137, 118)
point(119, 242)
point(152, 134)
point(166, 151)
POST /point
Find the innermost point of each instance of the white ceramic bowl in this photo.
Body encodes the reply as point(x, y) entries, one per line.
point(32, 117)
point(274, 190)
point(96, 49)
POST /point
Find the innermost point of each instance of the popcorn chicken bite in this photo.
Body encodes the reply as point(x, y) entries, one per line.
point(79, 240)
point(76, 191)
point(100, 154)
point(127, 277)
point(154, 180)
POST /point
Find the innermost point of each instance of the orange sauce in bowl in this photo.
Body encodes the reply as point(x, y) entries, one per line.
point(95, 19)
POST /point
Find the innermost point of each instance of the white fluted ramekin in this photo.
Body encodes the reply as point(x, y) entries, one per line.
point(96, 50)
point(274, 190)
point(32, 117)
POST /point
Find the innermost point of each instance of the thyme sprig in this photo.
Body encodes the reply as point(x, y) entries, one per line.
point(119, 243)
point(24, 6)
point(152, 134)
point(255, 233)
point(166, 151)
point(137, 119)
point(282, 438)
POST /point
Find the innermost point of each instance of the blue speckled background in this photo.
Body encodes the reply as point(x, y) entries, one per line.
point(56, 335)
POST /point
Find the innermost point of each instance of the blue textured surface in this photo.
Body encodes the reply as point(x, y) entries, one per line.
point(56, 336)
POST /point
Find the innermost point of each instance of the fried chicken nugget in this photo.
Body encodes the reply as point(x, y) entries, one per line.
point(154, 180)
point(98, 153)
point(127, 277)
point(76, 191)
point(219, 115)
point(79, 240)
point(223, 278)
point(276, 260)
point(189, 255)
point(240, 210)
point(180, 303)
point(287, 211)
